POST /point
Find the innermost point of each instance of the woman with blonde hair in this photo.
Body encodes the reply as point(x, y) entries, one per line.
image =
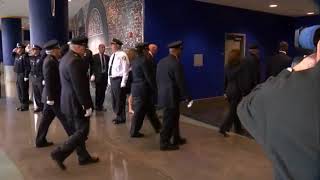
point(132, 54)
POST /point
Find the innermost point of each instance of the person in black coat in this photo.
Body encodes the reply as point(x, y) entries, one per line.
point(233, 91)
point(36, 62)
point(251, 66)
point(99, 75)
point(280, 61)
point(171, 91)
point(283, 116)
point(22, 69)
point(51, 94)
point(76, 103)
point(142, 88)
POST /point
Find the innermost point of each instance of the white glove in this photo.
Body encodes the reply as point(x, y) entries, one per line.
point(190, 104)
point(109, 82)
point(25, 79)
point(93, 78)
point(88, 112)
point(123, 85)
point(43, 83)
point(50, 103)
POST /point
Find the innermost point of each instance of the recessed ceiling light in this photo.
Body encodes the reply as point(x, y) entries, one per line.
point(69, 0)
point(273, 5)
point(310, 13)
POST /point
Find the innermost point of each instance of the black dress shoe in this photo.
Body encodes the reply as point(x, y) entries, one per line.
point(59, 162)
point(24, 109)
point(169, 147)
point(118, 122)
point(37, 110)
point(100, 109)
point(18, 108)
point(224, 133)
point(180, 141)
point(91, 160)
point(42, 145)
point(137, 135)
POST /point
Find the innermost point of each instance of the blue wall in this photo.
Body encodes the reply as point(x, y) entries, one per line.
point(202, 27)
point(307, 21)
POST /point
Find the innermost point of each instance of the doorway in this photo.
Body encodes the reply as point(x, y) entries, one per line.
point(234, 41)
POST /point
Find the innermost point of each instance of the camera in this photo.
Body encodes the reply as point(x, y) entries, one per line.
point(306, 38)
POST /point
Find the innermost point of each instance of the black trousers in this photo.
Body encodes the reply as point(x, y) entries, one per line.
point(170, 127)
point(101, 87)
point(22, 90)
point(49, 113)
point(232, 117)
point(37, 88)
point(80, 127)
point(118, 99)
point(143, 106)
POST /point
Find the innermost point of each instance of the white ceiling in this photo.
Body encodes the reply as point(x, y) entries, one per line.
point(294, 8)
point(20, 8)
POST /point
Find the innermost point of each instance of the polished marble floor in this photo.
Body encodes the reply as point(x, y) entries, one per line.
point(207, 155)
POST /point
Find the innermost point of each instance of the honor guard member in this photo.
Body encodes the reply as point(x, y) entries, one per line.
point(76, 103)
point(118, 75)
point(171, 90)
point(36, 76)
point(143, 88)
point(51, 94)
point(22, 69)
point(99, 75)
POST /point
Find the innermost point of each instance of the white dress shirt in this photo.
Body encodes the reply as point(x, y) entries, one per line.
point(120, 67)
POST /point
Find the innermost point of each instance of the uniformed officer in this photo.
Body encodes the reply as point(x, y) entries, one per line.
point(143, 88)
point(171, 90)
point(22, 69)
point(36, 76)
point(51, 94)
point(76, 103)
point(118, 75)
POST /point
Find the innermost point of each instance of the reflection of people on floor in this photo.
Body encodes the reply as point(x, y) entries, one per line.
point(233, 91)
point(118, 168)
point(282, 114)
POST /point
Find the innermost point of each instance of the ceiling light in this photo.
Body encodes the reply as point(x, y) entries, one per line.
point(273, 5)
point(69, 0)
point(310, 13)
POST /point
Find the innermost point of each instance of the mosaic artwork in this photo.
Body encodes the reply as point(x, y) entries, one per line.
point(103, 20)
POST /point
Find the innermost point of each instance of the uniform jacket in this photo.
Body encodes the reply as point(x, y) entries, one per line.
point(278, 63)
point(21, 64)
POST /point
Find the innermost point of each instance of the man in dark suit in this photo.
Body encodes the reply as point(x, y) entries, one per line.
point(251, 69)
point(76, 103)
point(280, 61)
point(283, 116)
point(22, 69)
point(36, 62)
point(171, 90)
point(51, 94)
point(99, 75)
point(142, 89)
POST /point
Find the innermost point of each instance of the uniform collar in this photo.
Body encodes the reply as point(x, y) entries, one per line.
point(283, 52)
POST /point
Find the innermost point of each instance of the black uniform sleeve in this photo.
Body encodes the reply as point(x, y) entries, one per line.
point(251, 110)
point(13, 54)
point(92, 65)
point(180, 81)
point(50, 79)
point(80, 83)
point(27, 66)
point(147, 71)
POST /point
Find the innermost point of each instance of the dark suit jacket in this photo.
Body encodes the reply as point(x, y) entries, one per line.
point(283, 115)
point(170, 82)
point(75, 93)
point(52, 88)
point(278, 63)
point(251, 72)
point(143, 80)
point(96, 68)
point(233, 81)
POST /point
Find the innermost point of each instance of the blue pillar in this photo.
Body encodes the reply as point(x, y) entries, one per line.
point(43, 25)
point(11, 35)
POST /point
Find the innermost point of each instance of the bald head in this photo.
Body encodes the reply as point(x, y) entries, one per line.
point(153, 48)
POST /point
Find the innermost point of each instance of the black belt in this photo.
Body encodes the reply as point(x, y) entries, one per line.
point(114, 78)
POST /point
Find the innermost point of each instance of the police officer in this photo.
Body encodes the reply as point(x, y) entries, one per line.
point(118, 75)
point(76, 103)
point(143, 88)
point(36, 63)
point(171, 90)
point(51, 94)
point(22, 69)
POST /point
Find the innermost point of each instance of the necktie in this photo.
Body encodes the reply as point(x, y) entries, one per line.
point(103, 63)
point(110, 68)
